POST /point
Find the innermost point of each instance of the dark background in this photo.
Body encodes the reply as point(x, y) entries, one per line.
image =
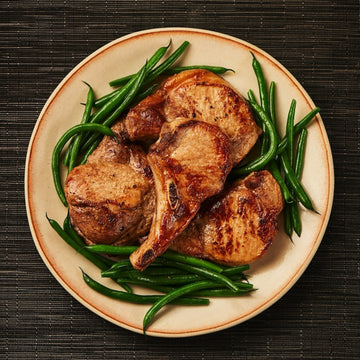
point(318, 41)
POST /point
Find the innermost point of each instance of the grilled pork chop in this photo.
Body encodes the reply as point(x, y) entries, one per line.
point(199, 95)
point(190, 162)
point(111, 198)
point(237, 226)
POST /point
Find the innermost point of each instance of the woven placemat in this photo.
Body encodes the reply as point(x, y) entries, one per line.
point(318, 41)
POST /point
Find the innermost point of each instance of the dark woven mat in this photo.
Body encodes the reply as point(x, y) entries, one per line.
point(318, 41)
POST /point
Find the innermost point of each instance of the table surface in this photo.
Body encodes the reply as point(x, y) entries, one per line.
point(318, 41)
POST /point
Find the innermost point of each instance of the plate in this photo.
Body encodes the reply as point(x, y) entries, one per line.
point(285, 261)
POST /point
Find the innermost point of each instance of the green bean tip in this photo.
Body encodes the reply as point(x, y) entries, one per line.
point(86, 84)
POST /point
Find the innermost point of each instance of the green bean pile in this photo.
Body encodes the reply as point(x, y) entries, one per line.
point(285, 158)
point(179, 279)
point(172, 274)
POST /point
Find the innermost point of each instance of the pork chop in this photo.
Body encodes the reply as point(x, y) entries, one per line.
point(237, 226)
point(111, 198)
point(190, 162)
point(200, 95)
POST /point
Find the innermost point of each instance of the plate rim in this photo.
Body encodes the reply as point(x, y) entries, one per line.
point(264, 305)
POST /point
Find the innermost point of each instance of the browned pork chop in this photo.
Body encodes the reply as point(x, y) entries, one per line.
point(111, 198)
point(190, 162)
point(237, 226)
point(199, 95)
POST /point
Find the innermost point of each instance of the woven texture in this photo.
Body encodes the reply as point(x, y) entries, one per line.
point(318, 41)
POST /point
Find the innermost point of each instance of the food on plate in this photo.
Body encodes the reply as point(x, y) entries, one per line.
point(190, 162)
point(205, 128)
point(237, 226)
point(168, 179)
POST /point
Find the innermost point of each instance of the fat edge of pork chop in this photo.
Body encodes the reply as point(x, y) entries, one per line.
point(190, 162)
point(111, 197)
point(200, 95)
point(236, 227)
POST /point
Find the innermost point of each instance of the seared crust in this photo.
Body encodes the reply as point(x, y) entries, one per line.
point(190, 162)
point(111, 197)
point(200, 95)
point(237, 226)
point(144, 121)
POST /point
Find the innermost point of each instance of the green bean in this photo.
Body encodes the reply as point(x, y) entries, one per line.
point(206, 273)
point(121, 81)
point(294, 183)
point(265, 143)
point(171, 255)
point(295, 218)
point(69, 229)
point(288, 227)
point(171, 296)
point(251, 96)
point(298, 166)
point(85, 119)
point(297, 129)
point(80, 249)
point(152, 270)
point(300, 153)
point(263, 160)
point(158, 280)
point(135, 298)
point(55, 161)
point(261, 84)
point(112, 103)
point(273, 168)
point(125, 286)
point(120, 265)
point(221, 292)
point(214, 69)
point(239, 284)
point(290, 131)
point(272, 102)
point(265, 138)
point(263, 101)
point(91, 143)
point(291, 215)
point(252, 99)
point(235, 270)
point(112, 249)
point(68, 154)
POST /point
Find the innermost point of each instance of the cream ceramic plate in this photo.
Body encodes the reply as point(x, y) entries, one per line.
point(273, 275)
